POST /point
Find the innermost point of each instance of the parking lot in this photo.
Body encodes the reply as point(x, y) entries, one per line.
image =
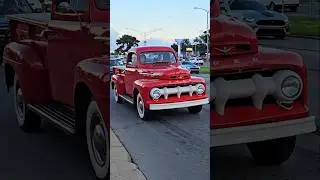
point(234, 162)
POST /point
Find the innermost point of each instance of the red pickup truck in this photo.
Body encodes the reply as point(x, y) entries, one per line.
point(57, 67)
point(259, 95)
point(153, 80)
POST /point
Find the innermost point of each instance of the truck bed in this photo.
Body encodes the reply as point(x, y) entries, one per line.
point(33, 18)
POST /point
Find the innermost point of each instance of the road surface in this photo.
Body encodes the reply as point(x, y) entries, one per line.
point(173, 146)
point(235, 163)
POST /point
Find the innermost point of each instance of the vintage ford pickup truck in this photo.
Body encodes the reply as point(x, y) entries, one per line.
point(259, 95)
point(57, 67)
point(153, 80)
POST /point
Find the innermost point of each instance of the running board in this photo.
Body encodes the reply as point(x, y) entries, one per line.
point(60, 115)
point(127, 98)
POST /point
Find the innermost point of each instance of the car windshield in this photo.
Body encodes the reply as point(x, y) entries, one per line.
point(247, 5)
point(157, 57)
point(14, 7)
point(102, 4)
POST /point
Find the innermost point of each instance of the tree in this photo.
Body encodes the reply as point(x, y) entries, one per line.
point(126, 42)
point(175, 46)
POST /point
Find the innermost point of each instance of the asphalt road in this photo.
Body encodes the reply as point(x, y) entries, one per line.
point(235, 162)
point(49, 155)
point(172, 146)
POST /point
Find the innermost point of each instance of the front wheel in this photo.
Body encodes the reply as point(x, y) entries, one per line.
point(27, 120)
point(195, 109)
point(97, 135)
point(116, 96)
point(143, 113)
point(272, 152)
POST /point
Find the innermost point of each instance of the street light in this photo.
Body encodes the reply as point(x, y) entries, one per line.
point(207, 26)
point(145, 33)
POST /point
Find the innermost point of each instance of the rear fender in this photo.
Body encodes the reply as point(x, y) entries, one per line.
point(29, 68)
point(95, 75)
point(118, 80)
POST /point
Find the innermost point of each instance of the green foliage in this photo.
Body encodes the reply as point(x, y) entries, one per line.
point(125, 43)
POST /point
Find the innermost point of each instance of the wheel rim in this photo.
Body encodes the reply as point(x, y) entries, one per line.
point(115, 94)
point(19, 105)
point(98, 140)
point(140, 106)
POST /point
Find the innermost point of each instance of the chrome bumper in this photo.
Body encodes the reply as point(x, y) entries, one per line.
point(183, 104)
point(261, 132)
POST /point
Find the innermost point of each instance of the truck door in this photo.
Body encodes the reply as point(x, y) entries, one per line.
point(68, 44)
point(131, 73)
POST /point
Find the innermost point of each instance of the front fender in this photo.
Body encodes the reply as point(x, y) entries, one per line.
point(32, 75)
point(95, 75)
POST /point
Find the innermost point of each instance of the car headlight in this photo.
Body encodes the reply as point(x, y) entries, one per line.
point(249, 19)
point(288, 85)
point(155, 93)
point(200, 89)
point(291, 87)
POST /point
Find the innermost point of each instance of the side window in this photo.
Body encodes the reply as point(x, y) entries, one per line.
point(71, 6)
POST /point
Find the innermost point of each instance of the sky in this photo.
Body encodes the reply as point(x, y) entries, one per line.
point(171, 19)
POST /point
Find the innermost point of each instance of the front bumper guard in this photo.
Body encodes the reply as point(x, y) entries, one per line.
point(175, 105)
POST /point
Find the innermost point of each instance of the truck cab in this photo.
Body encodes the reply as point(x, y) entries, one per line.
point(258, 95)
point(153, 80)
point(57, 67)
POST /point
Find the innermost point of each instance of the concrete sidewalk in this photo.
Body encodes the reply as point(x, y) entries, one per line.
point(121, 166)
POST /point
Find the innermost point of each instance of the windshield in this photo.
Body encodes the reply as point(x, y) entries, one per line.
point(157, 57)
point(247, 5)
point(14, 7)
point(102, 4)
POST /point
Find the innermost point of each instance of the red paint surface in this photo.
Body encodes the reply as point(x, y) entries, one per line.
point(50, 66)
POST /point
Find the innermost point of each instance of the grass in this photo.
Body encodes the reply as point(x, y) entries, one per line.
point(204, 69)
point(304, 26)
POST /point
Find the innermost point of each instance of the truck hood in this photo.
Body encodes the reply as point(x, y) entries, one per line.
point(232, 37)
point(165, 72)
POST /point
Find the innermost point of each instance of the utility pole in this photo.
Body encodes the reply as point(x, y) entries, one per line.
point(207, 31)
point(145, 33)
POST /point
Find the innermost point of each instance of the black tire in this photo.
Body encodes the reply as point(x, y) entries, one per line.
point(116, 96)
point(143, 113)
point(195, 109)
point(27, 120)
point(272, 152)
point(97, 136)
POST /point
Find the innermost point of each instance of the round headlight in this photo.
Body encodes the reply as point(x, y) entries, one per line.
point(155, 93)
point(291, 87)
point(200, 88)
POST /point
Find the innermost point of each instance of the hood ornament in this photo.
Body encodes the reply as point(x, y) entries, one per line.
point(225, 50)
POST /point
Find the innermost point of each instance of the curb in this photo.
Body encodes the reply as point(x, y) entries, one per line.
point(305, 37)
point(121, 165)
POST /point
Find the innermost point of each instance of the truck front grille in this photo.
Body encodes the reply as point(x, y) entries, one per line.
point(271, 23)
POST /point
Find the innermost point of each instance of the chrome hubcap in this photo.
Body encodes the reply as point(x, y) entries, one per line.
point(140, 106)
point(98, 139)
point(115, 93)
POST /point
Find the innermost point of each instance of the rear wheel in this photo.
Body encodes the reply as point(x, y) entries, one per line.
point(27, 120)
point(116, 96)
point(97, 135)
point(143, 113)
point(195, 109)
point(272, 152)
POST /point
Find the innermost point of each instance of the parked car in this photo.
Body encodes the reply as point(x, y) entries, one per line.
point(35, 5)
point(153, 80)
point(191, 67)
point(259, 96)
point(60, 74)
point(258, 17)
point(196, 61)
point(116, 62)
